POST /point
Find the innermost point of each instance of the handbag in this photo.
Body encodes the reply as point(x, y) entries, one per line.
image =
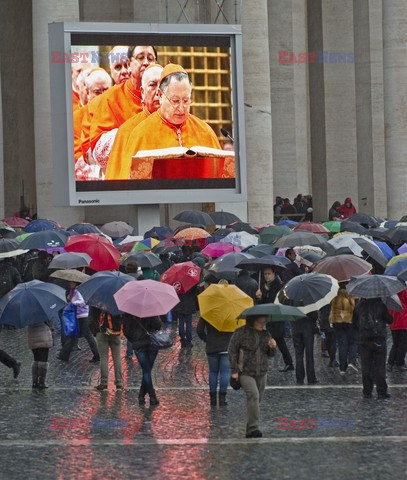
point(70, 322)
point(160, 339)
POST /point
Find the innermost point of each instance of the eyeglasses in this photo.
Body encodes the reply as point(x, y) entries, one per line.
point(185, 102)
point(140, 58)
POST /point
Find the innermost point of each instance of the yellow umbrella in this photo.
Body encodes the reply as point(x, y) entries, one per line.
point(397, 258)
point(220, 305)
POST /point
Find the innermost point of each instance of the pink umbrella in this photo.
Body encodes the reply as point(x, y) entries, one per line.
point(403, 249)
point(217, 249)
point(16, 222)
point(146, 298)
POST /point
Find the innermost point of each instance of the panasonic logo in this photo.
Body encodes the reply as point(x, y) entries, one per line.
point(96, 200)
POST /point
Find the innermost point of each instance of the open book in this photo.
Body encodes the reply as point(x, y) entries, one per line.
point(183, 152)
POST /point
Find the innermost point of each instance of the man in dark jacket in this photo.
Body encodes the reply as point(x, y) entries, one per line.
point(303, 339)
point(247, 284)
point(334, 213)
point(184, 310)
point(370, 318)
point(292, 269)
point(9, 276)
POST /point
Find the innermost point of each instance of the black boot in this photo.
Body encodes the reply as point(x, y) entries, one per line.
point(34, 371)
point(222, 399)
point(42, 373)
point(213, 398)
point(153, 398)
point(141, 395)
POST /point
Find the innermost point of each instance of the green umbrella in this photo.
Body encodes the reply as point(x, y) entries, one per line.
point(333, 226)
point(270, 234)
point(275, 313)
point(21, 237)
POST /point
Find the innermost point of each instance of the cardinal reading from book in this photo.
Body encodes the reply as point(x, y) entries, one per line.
point(162, 145)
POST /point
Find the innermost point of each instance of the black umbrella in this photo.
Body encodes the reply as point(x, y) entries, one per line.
point(82, 228)
point(45, 239)
point(242, 227)
point(297, 239)
point(230, 274)
point(161, 233)
point(224, 218)
point(195, 217)
point(262, 250)
point(70, 260)
point(372, 250)
point(348, 226)
point(99, 289)
point(143, 259)
point(258, 264)
point(378, 232)
point(220, 234)
point(309, 292)
point(396, 236)
point(364, 219)
point(374, 286)
point(10, 248)
point(30, 303)
point(229, 260)
point(165, 246)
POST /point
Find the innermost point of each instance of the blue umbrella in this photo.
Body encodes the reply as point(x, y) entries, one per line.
point(45, 239)
point(390, 223)
point(82, 228)
point(159, 232)
point(99, 289)
point(386, 250)
point(30, 303)
point(396, 268)
point(288, 223)
point(40, 225)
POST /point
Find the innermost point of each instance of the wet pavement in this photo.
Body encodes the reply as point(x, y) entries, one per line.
point(71, 430)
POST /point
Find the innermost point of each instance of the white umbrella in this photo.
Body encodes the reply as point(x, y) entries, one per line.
point(241, 239)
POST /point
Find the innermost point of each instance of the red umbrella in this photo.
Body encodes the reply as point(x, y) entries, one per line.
point(104, 255)
point(311, 227)
point(182, 276)
point(16, 222)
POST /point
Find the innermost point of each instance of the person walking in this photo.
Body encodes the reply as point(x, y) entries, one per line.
point(303, 340)
point(270, 285)
point(108, 329)
point(184, 311)
point(330, 337)
point(340, 317)
point(137, 331)
point(399, 333)
point(217, 353)
point(39, 341)
point(10, 362)
point(370, 318)
point(82, 315)
point(249, 350)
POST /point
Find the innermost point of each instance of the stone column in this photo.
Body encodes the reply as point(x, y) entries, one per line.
point(44, 12)
point(395, 111)
point(256, 68)
point(1, 159)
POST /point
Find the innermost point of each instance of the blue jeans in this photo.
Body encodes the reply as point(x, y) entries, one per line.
point(185, 328)
point(219, 368)
point(346, 336)
point(146, 360)
point(129, 349)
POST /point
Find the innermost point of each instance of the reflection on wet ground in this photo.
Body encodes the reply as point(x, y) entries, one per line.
point(73, 431)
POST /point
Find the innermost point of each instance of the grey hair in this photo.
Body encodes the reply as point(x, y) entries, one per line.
point(179, 76)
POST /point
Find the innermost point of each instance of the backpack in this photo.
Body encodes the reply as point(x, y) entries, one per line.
point(371, 326)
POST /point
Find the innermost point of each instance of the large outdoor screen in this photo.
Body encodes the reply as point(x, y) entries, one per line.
point(147, 113)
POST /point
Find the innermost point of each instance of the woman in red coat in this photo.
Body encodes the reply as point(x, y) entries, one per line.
point(399, 332)
point(347, 209)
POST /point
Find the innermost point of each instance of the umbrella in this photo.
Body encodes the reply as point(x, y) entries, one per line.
point(40, 225)
point(10, 247)
point(220, 233)
point(161, 232)
point(346, 241)
point(16, 222)
point(221, 305)
point(30, 303)
point(143, 259)
point(146, 298)
point(396, 236)
point(130, 239)
point(396, 259)
point(104, 255)
point(182, 276)
point(287, 223)
point(242, 227)
point(215, 250)
point(372, 250)
point(393, 303)
point(82, 228)
point(165, 246)
point(146, 244)
point(309, 258)
point(224, 218)
point(229, 273)
point(297, 239)
point(45, 239)
point(275, 313)
point(261, 250)
point(348, 226)
point(117, 229)
point(70, 260)
point(377, 232)
point(343, 267)
point(316, 228)
point(191, 236)
point(241, 239)
point(333, 226)
point(374, 286)
point(395, 269)
point(258, 264)
point(99, 289)
point(70, 275)
point(403, 248)
point(227, 261)
point(195, 217)
point(308, 292)
point(271, 234)
point(386, 250)
point(402, 276)
point(364, 219)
